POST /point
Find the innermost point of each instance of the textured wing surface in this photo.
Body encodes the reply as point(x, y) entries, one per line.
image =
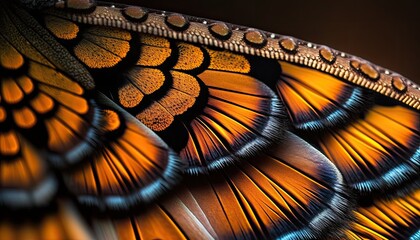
point(163, 126)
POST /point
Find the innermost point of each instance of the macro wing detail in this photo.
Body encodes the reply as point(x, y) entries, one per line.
point(160, 125)
point(379, 151)
point(132, 167)
point(218, 103)
point(293, 193)
point(53, 123)
point(38, 98)
point(396, 218)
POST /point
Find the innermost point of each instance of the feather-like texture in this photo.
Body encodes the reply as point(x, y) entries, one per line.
point(317, 100)
point(379, 151)
point(162, 126)
point(133, 165)
point(216, 101)
point(292, 192)
point(24, 176)
point(48, 116)
point(397, 218)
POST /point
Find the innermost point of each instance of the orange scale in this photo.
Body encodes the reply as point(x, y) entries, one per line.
point(298, 186)
point(110, 179)
point(203, 144)
point(10, 91)
point(10, 58)
point(52, 77)
point(154, 41)
point(42, 103)
point(338, 148)
point(131, 166)
point(61, 28)
point(77, 124)
point(129, 96)
point(76, 103)
point(26, 84)
point(95, 56)
point(317, 81)
point(185, 83)
point(117, 47)
point(398, 123)
point(24, 117)
point(147, 80)
point(236, 113)
point(176, 102)
point(34, 162)
point(314, 99)
point(111, 120)
point(189, 57)
point(232, 82)
point(386, 219)
point(130, 163)
point(3, 114)
point(153, 56)
point(221, 205)
point(12, 173)
point(366, 147)
point(60, 137)
point(250, 201)
point(146, 147)
point(155, 117)
point(228, 61)
point(23, 171)
point(297, 105)
point(226, 127)
point(139, 169)
point(367, 150)
point(154, 223)
point(9, 143)
point(84, 181)
point(246, 101)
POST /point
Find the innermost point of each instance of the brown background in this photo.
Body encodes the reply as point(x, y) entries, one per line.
point(387, 34)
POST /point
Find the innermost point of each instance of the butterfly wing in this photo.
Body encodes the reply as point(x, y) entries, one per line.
point(280, 138)
point(53, 121)
point(292, 191)
point(215, 101)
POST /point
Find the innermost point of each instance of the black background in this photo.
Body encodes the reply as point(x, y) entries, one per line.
point(385, 33)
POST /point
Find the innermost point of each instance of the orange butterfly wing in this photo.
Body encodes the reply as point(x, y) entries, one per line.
point(270, 135)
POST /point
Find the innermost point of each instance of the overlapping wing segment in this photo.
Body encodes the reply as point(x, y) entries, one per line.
point(238, 120)
point(215, 101)
point(24, 175)
point(38, 98)
point(396, 218)
point(48, 111)
point(214, 107)
point(378, 151)
point(133, 166)
point(316, 100)
point(45, 111)
point(285, 194)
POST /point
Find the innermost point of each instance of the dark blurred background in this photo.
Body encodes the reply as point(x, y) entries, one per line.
point(384, 32)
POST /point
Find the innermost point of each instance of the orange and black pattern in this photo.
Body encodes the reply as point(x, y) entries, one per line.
point(112, 133)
